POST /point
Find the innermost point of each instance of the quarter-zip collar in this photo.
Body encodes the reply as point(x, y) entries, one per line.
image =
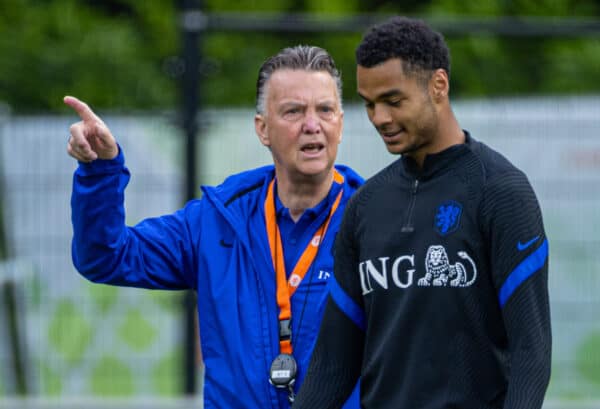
point(436, 162)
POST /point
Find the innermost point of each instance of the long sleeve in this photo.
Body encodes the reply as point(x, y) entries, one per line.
point(518, 250)
point(336, 362)
point(153, 254)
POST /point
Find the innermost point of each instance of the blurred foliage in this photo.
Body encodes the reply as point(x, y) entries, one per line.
point(107, 52)
point(123, 53)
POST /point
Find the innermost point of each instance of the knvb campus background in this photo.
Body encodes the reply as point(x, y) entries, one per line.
point(525, 80)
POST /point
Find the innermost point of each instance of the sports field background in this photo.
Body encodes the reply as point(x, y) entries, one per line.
point(84, 342)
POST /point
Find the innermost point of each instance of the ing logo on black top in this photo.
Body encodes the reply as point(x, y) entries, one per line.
point(400, 271)
point(447, 217)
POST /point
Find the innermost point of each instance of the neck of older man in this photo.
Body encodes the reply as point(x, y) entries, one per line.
point(301, 194)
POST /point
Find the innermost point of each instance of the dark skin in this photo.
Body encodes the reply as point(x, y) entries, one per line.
point(412, 116)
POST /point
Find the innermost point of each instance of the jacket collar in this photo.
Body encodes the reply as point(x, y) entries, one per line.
point(436, 162)
point(253, 184)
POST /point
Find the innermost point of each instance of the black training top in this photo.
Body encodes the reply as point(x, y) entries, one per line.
point(440, 297)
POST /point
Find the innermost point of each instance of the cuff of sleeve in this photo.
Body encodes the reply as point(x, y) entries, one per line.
point(102, 166)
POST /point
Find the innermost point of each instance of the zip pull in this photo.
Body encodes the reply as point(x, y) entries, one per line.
point(408, 226)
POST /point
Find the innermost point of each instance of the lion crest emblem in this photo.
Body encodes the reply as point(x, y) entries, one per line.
point(441, 273)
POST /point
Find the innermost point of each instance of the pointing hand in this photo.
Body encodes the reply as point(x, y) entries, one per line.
point(90, 138)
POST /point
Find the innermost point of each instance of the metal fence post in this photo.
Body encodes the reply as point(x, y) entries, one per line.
point(191, 23)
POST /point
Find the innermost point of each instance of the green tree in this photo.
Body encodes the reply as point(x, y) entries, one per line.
point(50, 49)
point(123, 53)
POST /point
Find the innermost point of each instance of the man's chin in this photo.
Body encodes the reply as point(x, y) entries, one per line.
point(315, 170)
point(396, 148)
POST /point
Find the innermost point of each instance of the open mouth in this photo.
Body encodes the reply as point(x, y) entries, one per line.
point(312, 147)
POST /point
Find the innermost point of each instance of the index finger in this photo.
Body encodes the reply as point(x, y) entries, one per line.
point(82, 109)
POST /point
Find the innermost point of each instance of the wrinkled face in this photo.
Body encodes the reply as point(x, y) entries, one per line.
point(302, 123)
point(400, 108)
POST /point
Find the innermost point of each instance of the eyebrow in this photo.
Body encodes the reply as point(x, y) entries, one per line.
point(387, 94)
point(288, 104)
point(327, 102)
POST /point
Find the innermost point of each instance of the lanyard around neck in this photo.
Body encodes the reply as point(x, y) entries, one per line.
point(287, 287)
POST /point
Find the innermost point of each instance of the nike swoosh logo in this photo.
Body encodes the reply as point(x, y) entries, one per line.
point(523, 246)
point(222, 243)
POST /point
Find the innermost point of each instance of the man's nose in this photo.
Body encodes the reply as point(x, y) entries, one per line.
point(311, 123)
point(380, 116)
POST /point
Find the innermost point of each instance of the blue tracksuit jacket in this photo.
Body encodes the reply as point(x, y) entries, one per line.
point(217, 246)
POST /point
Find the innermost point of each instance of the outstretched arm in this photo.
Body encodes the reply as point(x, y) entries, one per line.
point(156, 253)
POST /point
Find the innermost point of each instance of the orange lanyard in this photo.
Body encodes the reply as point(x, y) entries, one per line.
point(287, 287)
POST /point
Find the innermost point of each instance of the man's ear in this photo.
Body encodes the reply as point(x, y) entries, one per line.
point(439, 85)
point(260, 126)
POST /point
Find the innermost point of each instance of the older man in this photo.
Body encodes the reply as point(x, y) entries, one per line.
point(257, 248)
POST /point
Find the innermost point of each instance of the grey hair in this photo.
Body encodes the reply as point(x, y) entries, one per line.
point(300, 57)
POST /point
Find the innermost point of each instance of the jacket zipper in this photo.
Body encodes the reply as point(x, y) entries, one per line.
point(408, 225)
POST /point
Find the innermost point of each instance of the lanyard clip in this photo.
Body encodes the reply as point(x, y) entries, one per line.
point(291, 394)
point(285, 329)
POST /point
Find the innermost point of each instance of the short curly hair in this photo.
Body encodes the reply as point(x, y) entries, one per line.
point(421, 49)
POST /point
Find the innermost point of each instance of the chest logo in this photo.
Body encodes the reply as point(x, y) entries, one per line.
point(386, 272)
point(447, 217)
point(440, 273)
